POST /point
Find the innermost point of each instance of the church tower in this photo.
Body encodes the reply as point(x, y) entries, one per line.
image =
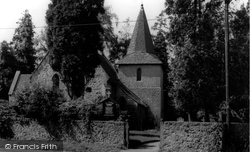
point(141, 70)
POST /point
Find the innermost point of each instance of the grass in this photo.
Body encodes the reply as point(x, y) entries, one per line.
point(89, 147)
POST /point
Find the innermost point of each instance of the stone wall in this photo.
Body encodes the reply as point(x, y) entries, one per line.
point(104, 132)
point(191, 137)
point(204, 137)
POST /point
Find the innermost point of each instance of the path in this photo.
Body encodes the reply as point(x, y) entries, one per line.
point(143, 141)
point(148, 147)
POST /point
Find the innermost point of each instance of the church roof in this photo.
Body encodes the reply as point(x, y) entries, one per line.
point(141, 49)
point(19, 82)
point(140, 58)
point(109, 69)
point(130, 93)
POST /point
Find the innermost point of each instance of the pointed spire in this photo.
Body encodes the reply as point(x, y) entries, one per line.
point(140, 50)
point(141, 39)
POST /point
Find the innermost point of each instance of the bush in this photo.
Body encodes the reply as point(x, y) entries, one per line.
point(50, 109)
point(77, 110)
point(6, 119)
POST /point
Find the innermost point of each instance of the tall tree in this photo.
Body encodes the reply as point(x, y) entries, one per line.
point(195, 31)
point(239, 64)
point(196, 34)
point(74, 38)
point(162, 51)
point(8, 66)
point(120, 42)
point(23, 43)
point(40, 46)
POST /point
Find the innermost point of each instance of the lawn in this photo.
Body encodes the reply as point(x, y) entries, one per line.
point(89, 147)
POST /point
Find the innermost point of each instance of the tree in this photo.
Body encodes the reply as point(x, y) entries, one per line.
point(8, 67)
point(239, 64)
point(195, 32)
point(74, 38)
point(23, 43)
point(161, 49)
point(40, 46)
point(120, 42)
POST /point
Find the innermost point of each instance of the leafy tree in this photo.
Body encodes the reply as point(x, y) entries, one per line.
point(40, 46)
point(8, 66)
point(23, 43)
point(120, 42)
point(194, 33)
point(161, 50)
point(239, 64)
point(74, 38)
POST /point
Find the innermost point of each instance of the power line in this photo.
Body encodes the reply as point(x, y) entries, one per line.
point(75, 25)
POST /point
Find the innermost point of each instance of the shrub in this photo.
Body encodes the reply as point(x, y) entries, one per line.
point(6, 118)
point(50, 109)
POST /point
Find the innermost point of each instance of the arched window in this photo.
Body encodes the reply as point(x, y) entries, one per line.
point(55, 80)
point(138, 78)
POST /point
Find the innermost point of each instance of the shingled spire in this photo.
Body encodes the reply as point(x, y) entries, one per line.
point(141, 39)
point(141, 49)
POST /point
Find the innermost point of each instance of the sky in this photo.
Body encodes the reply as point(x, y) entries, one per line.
point(12, 10)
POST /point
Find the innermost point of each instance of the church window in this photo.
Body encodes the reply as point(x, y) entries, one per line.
point(138, 78)
point(55, 80)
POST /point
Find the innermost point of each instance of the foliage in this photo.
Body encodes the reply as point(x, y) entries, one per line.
point(42, 105)
point(74, 37)
point(77, 109)
point(40, 46)
point(38, 103)
point(161, 50)
point(8, 66)
point(239, 64)
point(50, 109)
point(197, 65)
point(23, 43)
point(195, 34)
point(120, 42)
point(7, 116)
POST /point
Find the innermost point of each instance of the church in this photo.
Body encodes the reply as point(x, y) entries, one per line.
point(134, 85)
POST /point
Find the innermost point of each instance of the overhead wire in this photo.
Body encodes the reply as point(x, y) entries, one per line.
point(73, 25)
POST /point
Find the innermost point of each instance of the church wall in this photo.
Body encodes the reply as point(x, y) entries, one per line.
point(137, 113)
point(152, 97)
point(43, 76)
point(98, 85)
point(151, 75)
point(149, 89)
